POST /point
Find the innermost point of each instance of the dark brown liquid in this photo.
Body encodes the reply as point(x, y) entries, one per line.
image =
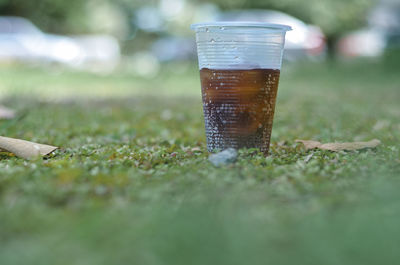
point(239, 107)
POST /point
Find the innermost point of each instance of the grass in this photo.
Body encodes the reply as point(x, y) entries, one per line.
point(127, 187)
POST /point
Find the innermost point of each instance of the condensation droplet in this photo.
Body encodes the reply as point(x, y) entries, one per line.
point(212, 40)
point(222, 28)
point(207, 30)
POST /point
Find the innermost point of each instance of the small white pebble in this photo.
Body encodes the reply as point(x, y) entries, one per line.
point(222, 158)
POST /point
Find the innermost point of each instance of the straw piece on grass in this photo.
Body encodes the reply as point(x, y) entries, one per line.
point(335, 147)
point(25, 149)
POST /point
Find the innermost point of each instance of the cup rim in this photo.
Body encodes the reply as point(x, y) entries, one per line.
point(247, 24)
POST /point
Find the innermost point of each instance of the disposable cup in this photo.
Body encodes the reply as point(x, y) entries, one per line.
point(240, 65)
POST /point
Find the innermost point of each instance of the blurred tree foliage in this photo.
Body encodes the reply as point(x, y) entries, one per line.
point(65, 16)
point(76, 16)
point(335, 17)
point(115, 17)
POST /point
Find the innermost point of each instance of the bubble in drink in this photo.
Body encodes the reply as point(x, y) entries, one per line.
point(239, 114)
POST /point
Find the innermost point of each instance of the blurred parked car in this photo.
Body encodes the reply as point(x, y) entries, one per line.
point(20, 40)
point(383, 32)
point(174, 48)
point(98, 52)
point(365, 42)
point(304, 41)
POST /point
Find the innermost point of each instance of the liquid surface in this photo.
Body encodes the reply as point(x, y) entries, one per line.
point(239, 107)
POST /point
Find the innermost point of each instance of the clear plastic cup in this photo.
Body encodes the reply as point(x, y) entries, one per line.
point(239, 66)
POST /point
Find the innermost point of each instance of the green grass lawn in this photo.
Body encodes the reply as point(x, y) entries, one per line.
point(127, 188)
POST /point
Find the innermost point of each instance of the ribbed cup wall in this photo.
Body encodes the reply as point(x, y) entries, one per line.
point(239, 72)
point(239, 47)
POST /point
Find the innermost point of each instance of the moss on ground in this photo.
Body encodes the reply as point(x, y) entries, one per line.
point(132, 183)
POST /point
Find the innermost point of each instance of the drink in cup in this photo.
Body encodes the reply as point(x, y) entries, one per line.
point(239, 71)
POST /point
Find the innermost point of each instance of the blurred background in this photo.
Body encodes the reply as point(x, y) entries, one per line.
point(141, 37)
point(115, 83)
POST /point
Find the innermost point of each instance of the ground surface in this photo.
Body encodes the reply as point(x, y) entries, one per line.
point(127, 187)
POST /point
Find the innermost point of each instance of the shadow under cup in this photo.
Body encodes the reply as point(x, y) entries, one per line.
point(239, 70)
